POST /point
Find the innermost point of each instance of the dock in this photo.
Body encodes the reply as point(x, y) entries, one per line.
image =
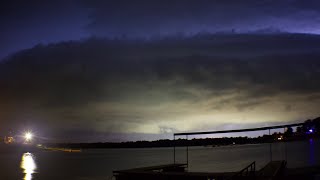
point(167, 171)
point(272, 170)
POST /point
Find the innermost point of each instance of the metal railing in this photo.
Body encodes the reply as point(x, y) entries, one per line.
point(248, 170)
point(227, 131)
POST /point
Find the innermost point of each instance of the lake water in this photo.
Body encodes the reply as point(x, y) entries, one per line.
point(98, 164)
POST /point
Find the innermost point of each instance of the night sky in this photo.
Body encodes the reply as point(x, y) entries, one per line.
point(140, 70)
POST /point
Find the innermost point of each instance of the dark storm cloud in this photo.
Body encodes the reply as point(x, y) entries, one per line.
point(145, 18)
point(165, 85)
point(82, 68)
point(26, 23)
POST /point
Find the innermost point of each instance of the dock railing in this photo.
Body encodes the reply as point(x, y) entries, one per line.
point(187, 134)
point(248, 170)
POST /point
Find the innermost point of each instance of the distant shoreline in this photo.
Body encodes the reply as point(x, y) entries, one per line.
point(178, 143)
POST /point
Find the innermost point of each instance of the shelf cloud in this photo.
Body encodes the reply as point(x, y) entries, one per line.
point(103, 87)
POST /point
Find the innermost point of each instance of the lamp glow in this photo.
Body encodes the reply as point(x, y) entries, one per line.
point(28, 136)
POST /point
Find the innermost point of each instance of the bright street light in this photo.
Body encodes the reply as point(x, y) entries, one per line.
point(28, 136)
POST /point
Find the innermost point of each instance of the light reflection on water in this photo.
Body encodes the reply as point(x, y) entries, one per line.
point(28, 165)
point(312, 160)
